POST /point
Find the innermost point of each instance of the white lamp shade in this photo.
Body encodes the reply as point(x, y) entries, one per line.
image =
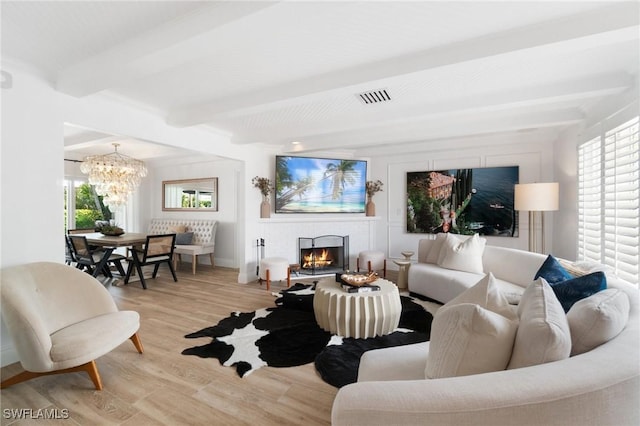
point(537, 197)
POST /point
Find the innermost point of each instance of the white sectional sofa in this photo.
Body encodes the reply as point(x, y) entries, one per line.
point(514, 270)
point(598, 387)
point(204, 236)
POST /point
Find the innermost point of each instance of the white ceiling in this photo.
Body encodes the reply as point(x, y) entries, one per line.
point(278, 72)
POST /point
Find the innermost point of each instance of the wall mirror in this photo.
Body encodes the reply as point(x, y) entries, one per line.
point(190, 195)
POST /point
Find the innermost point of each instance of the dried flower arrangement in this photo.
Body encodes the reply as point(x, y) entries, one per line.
point(263, 184)
point(373, 187)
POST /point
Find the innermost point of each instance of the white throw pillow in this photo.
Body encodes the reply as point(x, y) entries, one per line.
point(597, 319)
point(488, 295)
point(434, 251)
point(468, 339)
point(543, 333)
point(462, 255)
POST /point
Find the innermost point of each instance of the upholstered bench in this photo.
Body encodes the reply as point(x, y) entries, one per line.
point(203, 237)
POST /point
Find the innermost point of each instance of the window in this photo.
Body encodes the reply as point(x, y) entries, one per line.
point(609, 200)
point(82, 205)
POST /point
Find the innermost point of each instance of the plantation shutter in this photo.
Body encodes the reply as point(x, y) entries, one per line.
point(590, 200)
point(622, 200)
point(609, 200)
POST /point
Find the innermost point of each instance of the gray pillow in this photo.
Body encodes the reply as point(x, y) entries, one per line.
point(184, 238)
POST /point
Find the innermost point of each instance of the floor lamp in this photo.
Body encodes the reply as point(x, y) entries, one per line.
point(536, 197)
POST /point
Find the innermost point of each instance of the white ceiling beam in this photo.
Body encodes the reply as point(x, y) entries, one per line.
point(519, 100)
point(605, 26)
point(172, 43)
point(438, 128)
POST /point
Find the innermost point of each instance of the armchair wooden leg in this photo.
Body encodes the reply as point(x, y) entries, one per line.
point(268, 280)
point(137, 343)
point(212, 261)
point(194, 262)
point(90, 367)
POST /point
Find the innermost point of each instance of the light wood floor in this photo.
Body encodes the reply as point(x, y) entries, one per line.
point(162, 386)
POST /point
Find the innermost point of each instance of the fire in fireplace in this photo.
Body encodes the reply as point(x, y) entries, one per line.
point(323, 255)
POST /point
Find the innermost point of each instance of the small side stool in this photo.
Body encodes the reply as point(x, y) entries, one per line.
point(373, 260)
point(274, 269)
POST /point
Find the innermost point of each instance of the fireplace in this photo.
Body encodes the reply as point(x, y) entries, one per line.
point(326, 254)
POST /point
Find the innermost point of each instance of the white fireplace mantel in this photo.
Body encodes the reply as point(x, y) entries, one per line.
point(281, 233)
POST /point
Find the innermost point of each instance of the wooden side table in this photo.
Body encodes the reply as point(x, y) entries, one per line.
point(358, 315)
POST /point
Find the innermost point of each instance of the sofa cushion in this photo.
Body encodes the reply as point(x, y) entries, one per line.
point(184, 238)
point(543, 333)
point(597, 319)
point(487, 294)
point(462, 255)
point(434, 251)
point(469, 339)
point(570, 291)
point(552, 271)
point(177, 229)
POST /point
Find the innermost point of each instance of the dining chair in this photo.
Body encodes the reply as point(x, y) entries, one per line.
point(69, 257)
point(89, 258)
point(157, 250)
point(61, 320)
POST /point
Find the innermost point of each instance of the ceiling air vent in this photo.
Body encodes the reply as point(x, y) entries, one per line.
point(374, 96)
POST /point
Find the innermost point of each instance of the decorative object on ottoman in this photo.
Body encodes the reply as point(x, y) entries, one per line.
point(274, 269)
point(372, 260)
point(265, 187)
point(359, 279)
point(372, 188)
point(359, 315)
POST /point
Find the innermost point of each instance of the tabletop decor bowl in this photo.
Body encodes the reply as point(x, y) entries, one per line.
point(111, 231)
point(359, 280)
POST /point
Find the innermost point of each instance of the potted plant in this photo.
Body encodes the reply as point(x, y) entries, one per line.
point(372, 188)
point(265, 187)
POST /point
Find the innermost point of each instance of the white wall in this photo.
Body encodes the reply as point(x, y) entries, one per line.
point(532, 153)
point(32, 177)
point(227, 172)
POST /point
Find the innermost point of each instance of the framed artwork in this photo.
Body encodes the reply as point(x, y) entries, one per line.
point(463, 201)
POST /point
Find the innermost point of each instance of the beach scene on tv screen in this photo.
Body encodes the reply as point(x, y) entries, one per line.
point(320, 185)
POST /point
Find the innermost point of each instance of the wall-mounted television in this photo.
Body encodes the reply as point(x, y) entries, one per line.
point(320, 185)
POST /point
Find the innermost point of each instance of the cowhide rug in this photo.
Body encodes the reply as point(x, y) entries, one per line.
point(287, 335)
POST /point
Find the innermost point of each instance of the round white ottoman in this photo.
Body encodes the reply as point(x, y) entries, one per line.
point(358, 315)
point(372, 260)
point(274, 269)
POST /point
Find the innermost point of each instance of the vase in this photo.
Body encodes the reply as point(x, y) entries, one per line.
point(370, 208)
point(265, 207)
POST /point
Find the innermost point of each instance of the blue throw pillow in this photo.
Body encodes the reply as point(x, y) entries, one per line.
point(552, 271)
point(570, 291)
point(184, 239)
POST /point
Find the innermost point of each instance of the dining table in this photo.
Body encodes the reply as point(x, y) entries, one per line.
point(109, 243)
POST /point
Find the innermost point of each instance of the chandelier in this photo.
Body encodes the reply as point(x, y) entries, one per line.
point(114, 175)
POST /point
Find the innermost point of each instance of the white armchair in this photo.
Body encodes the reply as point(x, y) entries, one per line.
point(61, 320)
